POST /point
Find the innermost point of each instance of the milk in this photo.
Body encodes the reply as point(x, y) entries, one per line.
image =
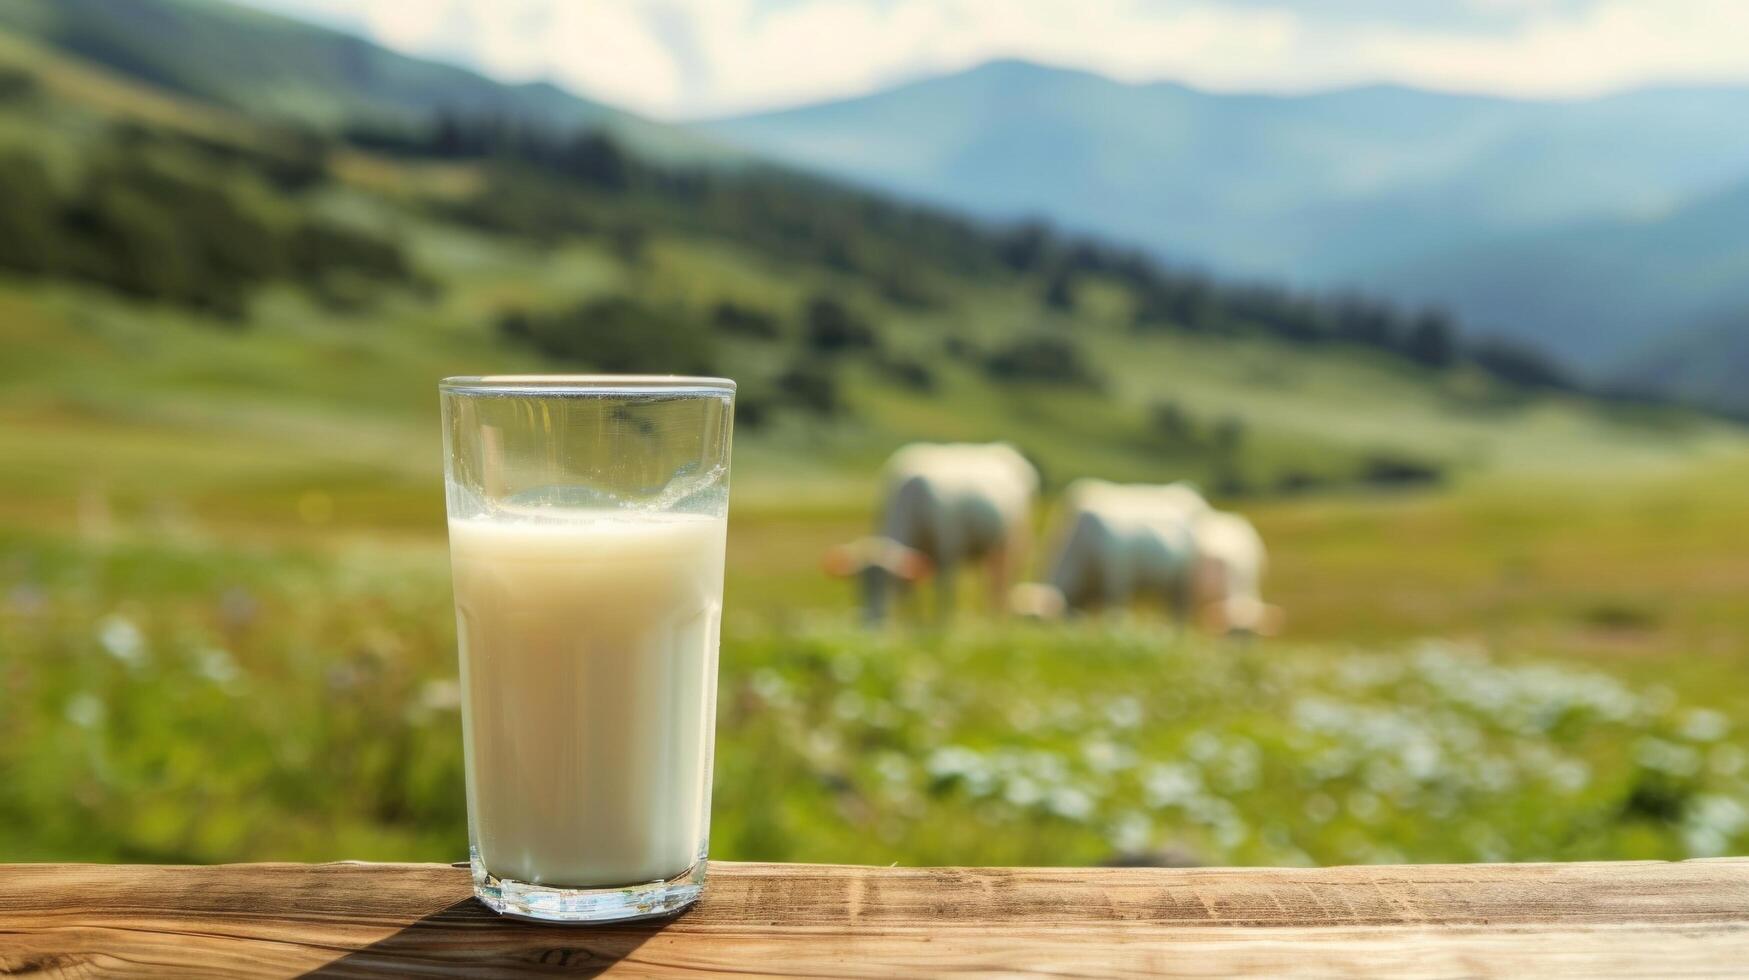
point(588, 670)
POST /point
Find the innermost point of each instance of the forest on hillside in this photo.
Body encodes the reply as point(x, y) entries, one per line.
point(199, 221)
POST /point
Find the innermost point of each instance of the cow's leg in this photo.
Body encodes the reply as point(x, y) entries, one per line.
point(1181, 598)
point(1081, 568)
point(998, 578)
point(1118, 582)
point(908, 519)
point(1008, 563)
point(949, 540)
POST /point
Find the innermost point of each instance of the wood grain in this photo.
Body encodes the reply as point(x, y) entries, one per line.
point(271, 920)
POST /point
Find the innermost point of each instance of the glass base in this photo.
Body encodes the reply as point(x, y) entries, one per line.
point(622, 903)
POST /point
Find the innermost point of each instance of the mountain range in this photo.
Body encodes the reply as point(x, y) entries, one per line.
point(1594, 228)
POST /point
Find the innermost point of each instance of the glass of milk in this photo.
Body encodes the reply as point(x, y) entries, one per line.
point(586, 528)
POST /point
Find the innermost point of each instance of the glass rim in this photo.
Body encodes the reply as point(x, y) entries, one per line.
point(584, 384)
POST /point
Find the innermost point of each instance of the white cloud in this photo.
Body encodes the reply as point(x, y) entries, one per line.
point(1614, 44)
point(704, 57)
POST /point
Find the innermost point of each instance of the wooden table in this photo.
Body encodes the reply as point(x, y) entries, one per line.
point(1537, 920)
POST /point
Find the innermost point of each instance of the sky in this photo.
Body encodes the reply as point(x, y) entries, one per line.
point(684, 59)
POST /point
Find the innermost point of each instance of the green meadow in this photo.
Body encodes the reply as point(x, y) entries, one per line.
point(226, 633)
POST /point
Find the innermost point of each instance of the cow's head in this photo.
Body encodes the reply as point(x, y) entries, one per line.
point(878, 563)
point(1242, 615)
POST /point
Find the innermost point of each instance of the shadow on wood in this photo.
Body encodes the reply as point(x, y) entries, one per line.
point(468, 939)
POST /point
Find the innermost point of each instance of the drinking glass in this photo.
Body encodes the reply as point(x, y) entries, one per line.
point(587, 519)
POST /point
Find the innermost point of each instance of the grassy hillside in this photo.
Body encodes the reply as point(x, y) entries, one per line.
point(853, 323)
point(225, 629)
point(1491, 183)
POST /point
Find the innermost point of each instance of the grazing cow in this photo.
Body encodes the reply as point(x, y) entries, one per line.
point(1120, 542)
point(1229, 575)
point(1117, 542)
point(1135, 498)
point(944, 505)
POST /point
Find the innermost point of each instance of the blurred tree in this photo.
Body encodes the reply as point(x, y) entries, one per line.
point(1432, 341)
point(1060, 291)
point(959, 348)
point(905, 284)
point(1025, 246)
point(1172, 424)
point(908, 372)
point(753, 408)
point(1049, 359)
point(598, 160)
point(1358, 320)
point(1293, 481)
point(449, 137)
point(16, 83)
point(516, 326)
point(745, 321)
point(829, 327)
point(617, 333)
point(515, 200)
point(629, 242)
point(182, 219)
point(1389, 468)
point(1227, 436)
point(318, 247)
point(1518, 364)
point(30, 232)
point(132, 243)
point(812, 384)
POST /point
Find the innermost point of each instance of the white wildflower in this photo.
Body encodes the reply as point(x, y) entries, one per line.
point(1124, 712)
point(1132, 833)
point(1171, 783)
point(121, 639)
point(85, 710)
point(1022, 791)
point(847, 706)
point(1069, 803)
point(1703, 725)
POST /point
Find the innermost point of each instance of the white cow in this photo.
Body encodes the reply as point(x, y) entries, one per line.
point(1117, 542)
point(1120, 542)
point(1132, 498)
point(944, 505)
point(1230, 559)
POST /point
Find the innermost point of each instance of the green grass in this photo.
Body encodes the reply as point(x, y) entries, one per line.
point(1501, 691)
point(262, 508)
point(226, 633)
point(181, 700)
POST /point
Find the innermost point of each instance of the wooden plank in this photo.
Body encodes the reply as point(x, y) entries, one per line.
point(1619, 919)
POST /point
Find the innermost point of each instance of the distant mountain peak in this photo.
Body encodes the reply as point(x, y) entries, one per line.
point(1013, 67)
point(1382, 186)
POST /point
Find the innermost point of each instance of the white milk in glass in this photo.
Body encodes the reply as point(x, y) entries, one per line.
point(588, 667)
